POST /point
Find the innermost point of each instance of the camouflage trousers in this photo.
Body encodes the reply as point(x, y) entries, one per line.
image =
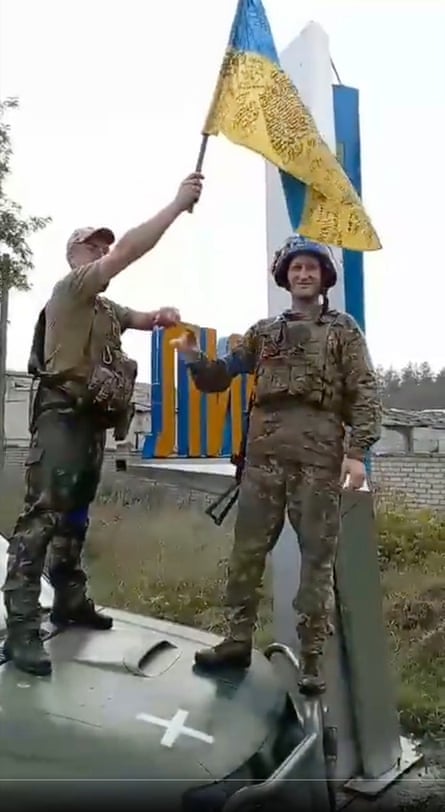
point(311, 494)
point(62, 473)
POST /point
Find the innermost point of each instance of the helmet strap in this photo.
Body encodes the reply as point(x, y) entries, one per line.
point(325, 302)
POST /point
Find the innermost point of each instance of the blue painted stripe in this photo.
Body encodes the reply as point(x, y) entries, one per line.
point(183, 402)
point(149, 447)
point(251, 31)
point(204, 400)
point(226, 446)
point(295, 196)
point(347, 130)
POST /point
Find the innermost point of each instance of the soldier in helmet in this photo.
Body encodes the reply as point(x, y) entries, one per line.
point(313, 377)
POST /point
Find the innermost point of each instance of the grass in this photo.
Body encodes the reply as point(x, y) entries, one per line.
point(151, 554)
point(412, 561)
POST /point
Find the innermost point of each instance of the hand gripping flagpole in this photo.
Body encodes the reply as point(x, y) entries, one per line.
point(200, 161)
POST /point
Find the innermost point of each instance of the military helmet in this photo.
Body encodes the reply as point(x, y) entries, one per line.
point(296, 245)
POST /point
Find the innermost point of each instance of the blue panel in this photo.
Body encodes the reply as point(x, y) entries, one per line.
point(183, 415)
point(149, 447)
point(203, 343)
point(251, 31)
point(226, 447)
point(347, 130)
point(295, 196)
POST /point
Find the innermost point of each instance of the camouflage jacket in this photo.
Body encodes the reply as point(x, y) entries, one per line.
point(322, 362)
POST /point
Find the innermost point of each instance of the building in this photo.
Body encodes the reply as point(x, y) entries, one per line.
point(404, 432)
point(17, 412)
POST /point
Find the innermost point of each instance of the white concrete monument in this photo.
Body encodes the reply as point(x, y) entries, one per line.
point(360, 698)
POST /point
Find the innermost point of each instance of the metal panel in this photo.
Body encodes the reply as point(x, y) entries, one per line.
point(286, 566)
point(360, 698)
point(359, 598)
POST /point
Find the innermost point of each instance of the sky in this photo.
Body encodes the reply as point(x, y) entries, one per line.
point(113, 96)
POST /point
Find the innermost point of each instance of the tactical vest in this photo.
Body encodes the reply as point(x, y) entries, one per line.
point(110, 384)
point(112, 377)
point(299, 359)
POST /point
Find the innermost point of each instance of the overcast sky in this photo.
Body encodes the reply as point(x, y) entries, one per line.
point(113, 96)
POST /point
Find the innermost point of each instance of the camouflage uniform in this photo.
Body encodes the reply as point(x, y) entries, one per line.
point(63, 467)
point(313, 375)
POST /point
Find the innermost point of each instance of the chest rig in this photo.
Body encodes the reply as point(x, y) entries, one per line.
point(298, 359)
point(113, 374)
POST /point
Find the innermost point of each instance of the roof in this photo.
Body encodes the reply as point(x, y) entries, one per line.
point(392, 418)
point(404, 418)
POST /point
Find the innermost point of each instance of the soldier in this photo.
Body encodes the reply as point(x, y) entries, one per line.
point(313, 377)
point(85, 386)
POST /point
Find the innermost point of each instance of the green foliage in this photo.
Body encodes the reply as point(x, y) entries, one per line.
point(416, 386)
point(16, 256)
point(412, 559)
point(408, 537)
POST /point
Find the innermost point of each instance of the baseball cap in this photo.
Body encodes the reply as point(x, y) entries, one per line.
point(81, 235)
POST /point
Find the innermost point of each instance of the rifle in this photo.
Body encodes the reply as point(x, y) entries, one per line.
point(226, 500)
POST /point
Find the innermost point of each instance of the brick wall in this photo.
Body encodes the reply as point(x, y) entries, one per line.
point(417, 480)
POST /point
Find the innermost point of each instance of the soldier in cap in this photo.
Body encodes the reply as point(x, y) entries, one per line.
point(313, 377)
point(85, 386)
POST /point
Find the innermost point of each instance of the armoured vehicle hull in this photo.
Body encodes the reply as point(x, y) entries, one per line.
point(127, 717)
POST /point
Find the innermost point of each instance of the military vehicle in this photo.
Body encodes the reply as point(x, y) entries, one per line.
point(127, 717)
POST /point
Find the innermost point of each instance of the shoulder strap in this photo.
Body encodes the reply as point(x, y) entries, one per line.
point(36, 361)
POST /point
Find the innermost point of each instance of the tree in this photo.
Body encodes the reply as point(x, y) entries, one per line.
point(414, 387)
point(389, 380)
point(16, 256)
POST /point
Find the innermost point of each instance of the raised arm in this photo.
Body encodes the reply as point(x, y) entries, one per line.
point(363, 405)
point(90, 279)
point(164, 317)
point(216, 375)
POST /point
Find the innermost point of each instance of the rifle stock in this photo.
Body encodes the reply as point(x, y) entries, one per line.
point(226, 500)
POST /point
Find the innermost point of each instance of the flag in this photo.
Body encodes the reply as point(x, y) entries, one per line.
point(257, 106)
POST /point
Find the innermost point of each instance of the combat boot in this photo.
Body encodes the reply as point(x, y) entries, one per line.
point(311, 681)
point(27, 652)
point(85, 615)
point(229, 653)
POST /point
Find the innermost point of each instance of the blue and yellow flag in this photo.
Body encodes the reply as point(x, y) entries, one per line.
point(257, 106)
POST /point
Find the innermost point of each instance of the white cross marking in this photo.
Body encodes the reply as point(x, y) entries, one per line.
point(175, 727)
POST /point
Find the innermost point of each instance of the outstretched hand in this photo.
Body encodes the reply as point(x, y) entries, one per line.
point(187, 342)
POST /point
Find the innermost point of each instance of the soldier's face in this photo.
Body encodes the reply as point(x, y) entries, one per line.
point(89, 251)
point(96, 247)
point(304, 276)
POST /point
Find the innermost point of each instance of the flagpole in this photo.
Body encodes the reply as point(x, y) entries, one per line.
point(202, 152)
point(205, 138)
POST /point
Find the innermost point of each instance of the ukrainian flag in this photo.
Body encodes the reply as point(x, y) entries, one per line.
point(256, 105)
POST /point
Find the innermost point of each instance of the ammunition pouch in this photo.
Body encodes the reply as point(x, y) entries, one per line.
point(110, 389)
